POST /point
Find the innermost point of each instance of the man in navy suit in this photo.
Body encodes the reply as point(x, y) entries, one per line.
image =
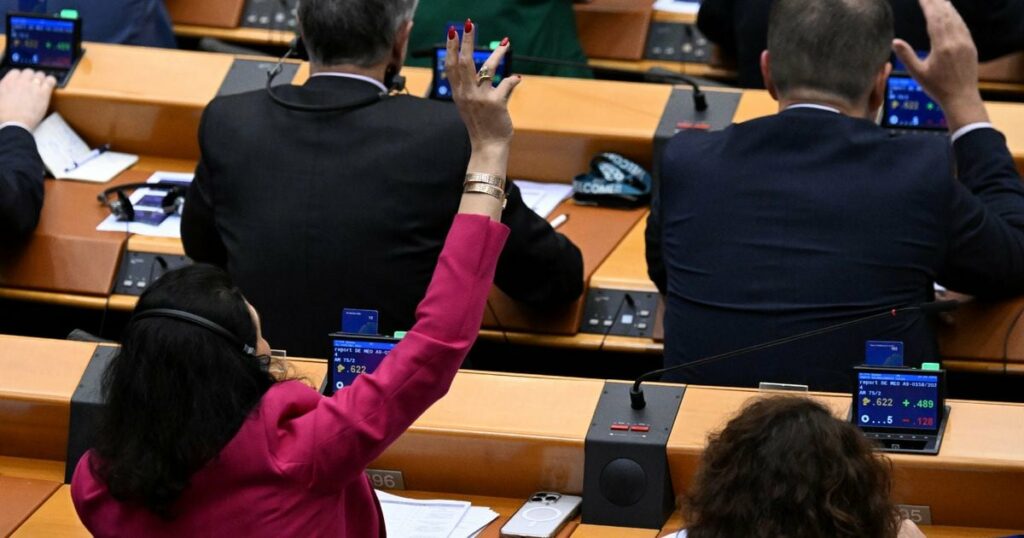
point(740, 28)
point(816, 215)
point(24, 98)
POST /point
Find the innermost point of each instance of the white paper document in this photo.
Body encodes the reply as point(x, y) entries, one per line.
point(677, 6)
point(147, 201)
point(543, 198)
point(67, 156)
point(414, 518)
point(474, 522)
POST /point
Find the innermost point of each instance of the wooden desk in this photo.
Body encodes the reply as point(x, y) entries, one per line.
point(19, 498)
point(57, 518)
point(41, 376)
point(149, 101)
point(535, 427)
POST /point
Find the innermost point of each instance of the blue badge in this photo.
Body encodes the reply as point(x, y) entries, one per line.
point(879, 353)
point(355, 321)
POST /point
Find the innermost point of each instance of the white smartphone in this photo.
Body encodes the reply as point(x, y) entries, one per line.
point(542, 516)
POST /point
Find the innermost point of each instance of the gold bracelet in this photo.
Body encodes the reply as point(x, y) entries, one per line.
point(486, 179)
point(480, 188)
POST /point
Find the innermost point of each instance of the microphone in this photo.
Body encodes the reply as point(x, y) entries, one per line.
point(636, 394)
point(659, 75)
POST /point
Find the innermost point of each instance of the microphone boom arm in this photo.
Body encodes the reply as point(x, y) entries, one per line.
point(636, 395)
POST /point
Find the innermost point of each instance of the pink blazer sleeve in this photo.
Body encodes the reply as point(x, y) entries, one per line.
point(341, 435)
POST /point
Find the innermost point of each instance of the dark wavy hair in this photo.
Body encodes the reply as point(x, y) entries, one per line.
point(786, 467)
point(176, 393)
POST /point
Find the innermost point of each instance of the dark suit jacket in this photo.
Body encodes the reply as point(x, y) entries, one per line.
point(311, 213)
point(740, 28)
point(21, 183)
point(789, 223)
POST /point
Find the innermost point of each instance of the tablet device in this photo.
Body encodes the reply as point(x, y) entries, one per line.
point(442, 90)
point(352, 355)
point(902, 409)
point(52, 45)
point(908, 107)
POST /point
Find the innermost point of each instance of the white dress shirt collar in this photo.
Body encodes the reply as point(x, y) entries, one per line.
point(815, 107)
point(363, 78)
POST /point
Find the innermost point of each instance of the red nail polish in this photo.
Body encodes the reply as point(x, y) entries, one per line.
point(469, 26)
point(504, 42)
point(452, 34)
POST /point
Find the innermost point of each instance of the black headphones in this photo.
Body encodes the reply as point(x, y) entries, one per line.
point(199, 321)
point(395, 82)
point(124, 210)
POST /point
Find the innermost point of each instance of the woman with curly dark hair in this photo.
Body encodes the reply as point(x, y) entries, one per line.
point(786, 467)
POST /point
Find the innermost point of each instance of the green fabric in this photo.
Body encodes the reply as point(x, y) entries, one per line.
point(543, 28)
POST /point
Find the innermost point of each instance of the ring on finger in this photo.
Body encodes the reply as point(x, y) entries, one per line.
point(484, 75)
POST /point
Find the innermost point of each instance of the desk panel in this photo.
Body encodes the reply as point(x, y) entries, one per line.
point(499, 434)
point(37, 469)
point(983, 460)
point(66, 254)
point(19, 498)
point(508, 435)
point(39, 378)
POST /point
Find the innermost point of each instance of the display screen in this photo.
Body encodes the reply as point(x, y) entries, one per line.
point(41, 42)
point(353, 356)
point(442, 88)
point(907, 106)
point(898, 400)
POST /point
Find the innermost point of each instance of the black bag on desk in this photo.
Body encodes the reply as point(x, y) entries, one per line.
point(613, 181)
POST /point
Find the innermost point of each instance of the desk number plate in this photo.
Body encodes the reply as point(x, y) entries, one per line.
point(386, 479)
point(922, 515)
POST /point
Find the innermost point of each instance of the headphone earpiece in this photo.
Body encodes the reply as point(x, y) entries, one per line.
point(123, 209)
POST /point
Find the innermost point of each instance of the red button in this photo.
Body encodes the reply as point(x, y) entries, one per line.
point(619, 427)
point(642, 428)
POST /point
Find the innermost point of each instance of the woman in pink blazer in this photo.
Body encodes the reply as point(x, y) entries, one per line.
point(201, 439)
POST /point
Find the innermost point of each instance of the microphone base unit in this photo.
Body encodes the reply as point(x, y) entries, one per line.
point(620, 313)
point(681, 115)
point(626, 479)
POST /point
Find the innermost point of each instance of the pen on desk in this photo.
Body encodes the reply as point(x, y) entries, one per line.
point(90, 156)
point(559, 220)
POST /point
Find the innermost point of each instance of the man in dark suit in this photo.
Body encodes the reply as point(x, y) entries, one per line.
point(313, 212)
point(740, 28)
point(816, 215)
point(24, 98)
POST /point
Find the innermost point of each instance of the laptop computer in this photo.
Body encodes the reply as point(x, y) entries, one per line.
point(901, 409)
point(52, 45)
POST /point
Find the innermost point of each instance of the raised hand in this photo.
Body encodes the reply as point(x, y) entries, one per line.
point(483, 108)
point(950, 72)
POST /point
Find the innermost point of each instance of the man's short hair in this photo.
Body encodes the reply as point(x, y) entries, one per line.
point(358, 32)
point(829, 46)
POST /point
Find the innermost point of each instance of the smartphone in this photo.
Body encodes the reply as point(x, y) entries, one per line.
point(441, 89)
point(542, 516)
